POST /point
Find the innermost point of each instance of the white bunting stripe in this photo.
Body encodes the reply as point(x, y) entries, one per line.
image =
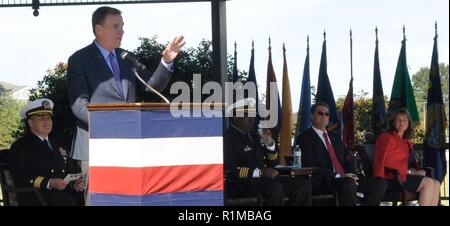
point(155, 151)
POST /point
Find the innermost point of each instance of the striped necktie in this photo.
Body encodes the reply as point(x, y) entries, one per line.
point(116, 71)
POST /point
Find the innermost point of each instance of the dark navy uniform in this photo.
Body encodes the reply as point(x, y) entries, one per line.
point(244, 153)
point(33, 163)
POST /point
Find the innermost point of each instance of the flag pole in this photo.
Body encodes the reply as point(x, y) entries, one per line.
point(307, 43)
point(435, 29)
point(235, 63)
point(351, 145)
point(235, 52)
point(404, 33)
point(351, 56)
point(235, 74)
point(376, 35)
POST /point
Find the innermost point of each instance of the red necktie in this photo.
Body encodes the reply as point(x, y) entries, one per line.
point(332, 153)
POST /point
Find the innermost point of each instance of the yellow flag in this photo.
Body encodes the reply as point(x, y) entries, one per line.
point(286, 122)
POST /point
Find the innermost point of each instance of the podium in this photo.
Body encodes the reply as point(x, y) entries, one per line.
point(155, 154)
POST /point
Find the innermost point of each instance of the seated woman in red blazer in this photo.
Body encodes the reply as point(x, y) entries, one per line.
point(394, 150)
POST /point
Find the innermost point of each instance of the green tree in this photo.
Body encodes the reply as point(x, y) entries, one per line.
point(188, 62)
point(362, 114)
point(362, 117)
point(9, 119)
point(420, 82)
point(2, 90)
point(420, 86)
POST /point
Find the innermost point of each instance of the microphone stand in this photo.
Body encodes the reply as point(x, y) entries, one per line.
point(148, 86)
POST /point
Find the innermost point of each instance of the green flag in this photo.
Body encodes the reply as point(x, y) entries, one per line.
point(402, 95)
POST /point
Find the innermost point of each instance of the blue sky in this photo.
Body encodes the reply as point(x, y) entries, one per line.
point(31, 45)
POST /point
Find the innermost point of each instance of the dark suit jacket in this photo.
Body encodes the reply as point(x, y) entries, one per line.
point(315, 154)
point(90, 80)
point(33, 163)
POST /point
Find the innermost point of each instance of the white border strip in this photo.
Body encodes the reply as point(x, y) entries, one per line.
point(156, 151)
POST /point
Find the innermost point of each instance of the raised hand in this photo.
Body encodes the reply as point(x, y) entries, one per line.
point(266, 137)
point(172, 49)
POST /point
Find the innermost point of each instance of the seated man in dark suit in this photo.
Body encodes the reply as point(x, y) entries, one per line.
point(251, 157)
point(38, 160)
point(333, 169)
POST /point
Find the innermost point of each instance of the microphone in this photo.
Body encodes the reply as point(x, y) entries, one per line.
point(128, 56)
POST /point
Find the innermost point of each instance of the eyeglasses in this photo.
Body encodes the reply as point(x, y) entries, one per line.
point(323, 113)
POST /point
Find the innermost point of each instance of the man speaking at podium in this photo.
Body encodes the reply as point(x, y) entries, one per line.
point(97, 74)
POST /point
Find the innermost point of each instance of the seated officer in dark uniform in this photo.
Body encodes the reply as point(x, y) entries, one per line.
point(251, 157)
point(38, 160)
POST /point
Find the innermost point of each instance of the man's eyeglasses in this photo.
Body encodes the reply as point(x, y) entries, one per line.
point(323, 113)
